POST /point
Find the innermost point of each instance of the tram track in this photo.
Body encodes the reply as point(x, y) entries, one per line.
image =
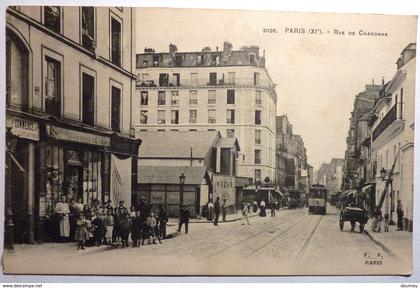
point(302, 250)
point(259, 233)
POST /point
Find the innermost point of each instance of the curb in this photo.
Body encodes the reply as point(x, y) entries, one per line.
point(380, 244)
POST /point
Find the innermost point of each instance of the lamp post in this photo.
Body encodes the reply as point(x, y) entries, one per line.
point(181, 183)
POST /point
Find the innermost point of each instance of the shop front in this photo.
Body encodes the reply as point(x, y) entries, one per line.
point(81, 165)
point(22, 137)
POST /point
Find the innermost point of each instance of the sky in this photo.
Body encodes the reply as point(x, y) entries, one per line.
point(317, 75)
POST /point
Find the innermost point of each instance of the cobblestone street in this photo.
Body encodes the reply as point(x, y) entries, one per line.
point(298, 243)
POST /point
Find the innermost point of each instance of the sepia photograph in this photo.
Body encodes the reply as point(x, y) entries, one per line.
point(208, 142)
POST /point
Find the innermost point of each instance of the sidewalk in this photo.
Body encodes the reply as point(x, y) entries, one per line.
point(395, 243)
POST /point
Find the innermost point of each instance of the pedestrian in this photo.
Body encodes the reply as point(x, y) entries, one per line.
point(254, 207)
point(163, 219)
point(99, 229)
point(124, 228)
point(224, 210)
point(109, 225)
point(81, 234)
point(90, 229)
point(245, 212)
point(73, 217)
point(210, 209)
point(386, 223)
point(152, 227)
point(63, 210)
point(378, 220)
point(116, 231)
point(143, 207)
point(184, 218)
point(132, 211)
point(262, 208)
point(121, 207)
point(400, 215)
point(273, 209)
point(136, 229)
point(216, 211)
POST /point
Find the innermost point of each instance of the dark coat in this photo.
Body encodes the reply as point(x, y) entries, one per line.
point(184, 216)
point(217, 207)
point(136, 226)
point(124, 227)
point(100, 228)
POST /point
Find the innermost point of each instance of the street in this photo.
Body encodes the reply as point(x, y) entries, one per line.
point(292, 243)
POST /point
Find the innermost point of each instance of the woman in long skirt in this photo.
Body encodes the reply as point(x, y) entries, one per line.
point(63, 210)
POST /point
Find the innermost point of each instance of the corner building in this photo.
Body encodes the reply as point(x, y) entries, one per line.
point(70, 78)
point(224, 90)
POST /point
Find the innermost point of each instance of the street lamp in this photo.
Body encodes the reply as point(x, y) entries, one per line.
point(181, 182)
point(383, 173)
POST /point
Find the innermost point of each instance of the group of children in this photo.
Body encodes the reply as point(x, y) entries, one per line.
point(113, 226)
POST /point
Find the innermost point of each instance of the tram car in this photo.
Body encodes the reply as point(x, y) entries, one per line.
point(293, 199)
point(267, 193)
point(317, 200)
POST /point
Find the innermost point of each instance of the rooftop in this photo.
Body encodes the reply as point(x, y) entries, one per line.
point(170, 175)
point(177, 144)
point(245, 56)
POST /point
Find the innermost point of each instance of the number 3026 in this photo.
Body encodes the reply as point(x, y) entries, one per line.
point(270, 30)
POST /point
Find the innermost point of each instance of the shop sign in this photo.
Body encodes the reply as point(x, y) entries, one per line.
point(64, 134)
point(23, 128)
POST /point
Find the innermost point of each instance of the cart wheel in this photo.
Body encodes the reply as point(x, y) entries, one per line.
point(362, 227)
point(341, 223)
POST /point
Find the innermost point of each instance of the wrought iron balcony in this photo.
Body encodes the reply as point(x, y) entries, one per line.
point(390, 117)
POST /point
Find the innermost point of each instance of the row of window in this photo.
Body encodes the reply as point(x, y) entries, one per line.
point(53, 20)
point(165, 79)
point(193, 97)
point(211, 116)
point(54, 84)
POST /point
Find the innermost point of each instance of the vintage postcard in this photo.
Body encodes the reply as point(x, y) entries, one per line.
point(162, 141)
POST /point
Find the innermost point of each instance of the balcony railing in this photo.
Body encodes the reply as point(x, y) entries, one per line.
point(190, 83)
point(390, 117)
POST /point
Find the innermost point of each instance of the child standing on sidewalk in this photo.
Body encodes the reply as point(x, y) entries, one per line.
point(386, 223)
point(109, 224)
point(81, 234)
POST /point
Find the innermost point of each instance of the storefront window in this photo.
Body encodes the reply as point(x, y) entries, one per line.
point(54, 175)
point(92, 180)
point(72, 173)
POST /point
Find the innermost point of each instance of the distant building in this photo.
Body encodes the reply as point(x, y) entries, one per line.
point(331, 175)
point(222, 90)
point(355, 170)
point(207, 160)
point(291, 157)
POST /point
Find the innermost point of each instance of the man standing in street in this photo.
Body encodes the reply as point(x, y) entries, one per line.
point(184, 218)
point(216, 211)
point(224, 209)
point(245, 212)
point(163, 219)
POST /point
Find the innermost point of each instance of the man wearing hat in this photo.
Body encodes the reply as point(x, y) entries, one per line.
point(184, 218)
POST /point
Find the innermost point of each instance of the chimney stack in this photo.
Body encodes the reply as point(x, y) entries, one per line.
point(383, 80)
point(373, 81)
